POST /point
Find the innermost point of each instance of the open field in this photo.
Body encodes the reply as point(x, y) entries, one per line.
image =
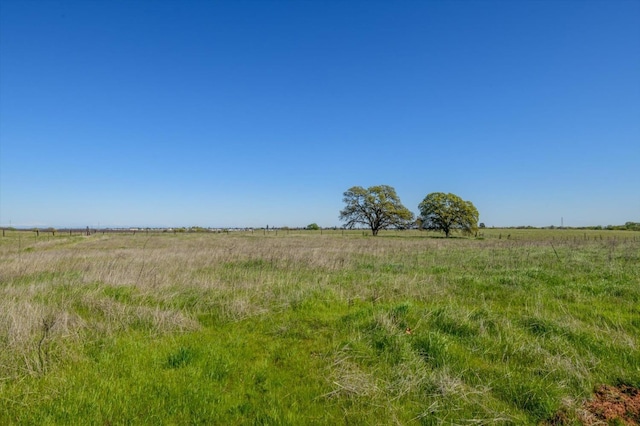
point(515, 327)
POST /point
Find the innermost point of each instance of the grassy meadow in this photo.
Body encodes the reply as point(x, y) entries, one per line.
point(512, 327)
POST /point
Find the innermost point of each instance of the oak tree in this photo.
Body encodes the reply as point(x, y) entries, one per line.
point(377, 207)
point(448, 212)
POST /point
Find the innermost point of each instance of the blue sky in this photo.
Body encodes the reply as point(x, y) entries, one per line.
point(255, 113)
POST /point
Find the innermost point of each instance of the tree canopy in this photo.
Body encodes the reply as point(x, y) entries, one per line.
point(448, 212)
point(377, 207)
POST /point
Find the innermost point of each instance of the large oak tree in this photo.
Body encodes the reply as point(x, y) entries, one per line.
point(448, 212)
point(377, 207)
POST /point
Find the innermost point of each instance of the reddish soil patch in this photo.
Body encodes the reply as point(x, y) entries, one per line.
point(614, 404)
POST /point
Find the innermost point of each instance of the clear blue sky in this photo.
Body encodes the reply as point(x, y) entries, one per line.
point(248, 113)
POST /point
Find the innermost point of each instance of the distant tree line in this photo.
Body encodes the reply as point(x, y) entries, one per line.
point(629, 226)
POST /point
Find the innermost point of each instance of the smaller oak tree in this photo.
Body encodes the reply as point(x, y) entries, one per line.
point(377, 207)
point(448, 212)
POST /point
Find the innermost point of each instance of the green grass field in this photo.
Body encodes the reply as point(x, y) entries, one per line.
point(513, 327)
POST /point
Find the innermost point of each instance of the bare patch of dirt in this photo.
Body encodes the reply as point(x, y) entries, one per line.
point(613, 404)
point(610, 405)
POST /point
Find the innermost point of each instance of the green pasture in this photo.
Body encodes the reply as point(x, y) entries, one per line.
point(514, 326)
